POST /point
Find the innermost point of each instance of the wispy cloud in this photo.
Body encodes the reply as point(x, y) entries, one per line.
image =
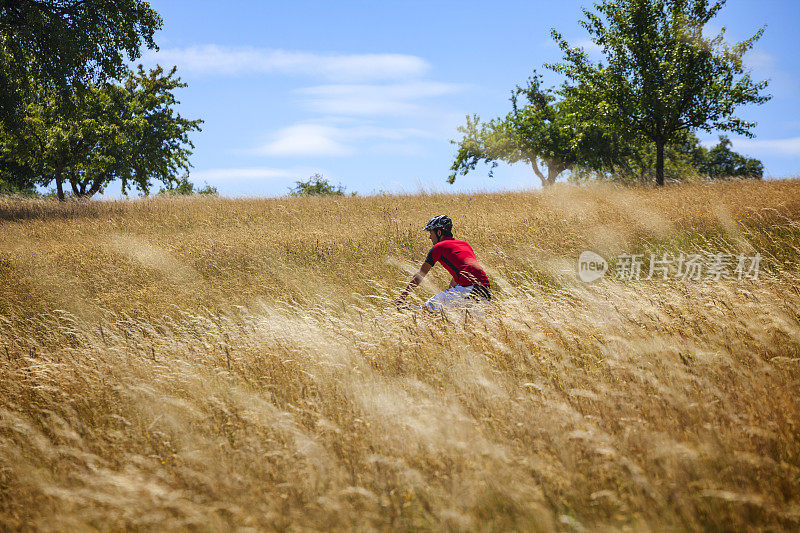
point(785, 147)
point(351, 90)
point(391, 99)
point(317, 139)
point(212, 59)
point(217, 175)
point(305, 140)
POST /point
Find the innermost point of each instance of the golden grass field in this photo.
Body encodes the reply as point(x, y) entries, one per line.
point(211, 364)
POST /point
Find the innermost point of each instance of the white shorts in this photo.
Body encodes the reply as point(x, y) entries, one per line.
point(453, 297)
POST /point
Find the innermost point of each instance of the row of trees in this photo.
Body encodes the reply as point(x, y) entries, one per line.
point(73, 115)
point(634, 116)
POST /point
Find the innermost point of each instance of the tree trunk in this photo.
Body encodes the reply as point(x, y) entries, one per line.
point(74, 183)
point(98, 182)
point(553, 171)
point(538, 172)
point(59, 185)
point(660, 161)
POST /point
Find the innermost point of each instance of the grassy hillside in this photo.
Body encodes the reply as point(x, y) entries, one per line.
point(210, 363)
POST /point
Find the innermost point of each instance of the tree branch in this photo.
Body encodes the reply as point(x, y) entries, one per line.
point(98, 182)
point(535, 165)
point(72, 181)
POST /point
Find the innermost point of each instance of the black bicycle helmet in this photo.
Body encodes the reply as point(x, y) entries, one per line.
point(439, 222)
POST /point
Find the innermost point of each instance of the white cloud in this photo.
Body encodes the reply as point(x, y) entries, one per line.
point(318, 139)
point(212, 59)
point(247, 173)
point(354, 99)
point(786, 147)
point(305, 140)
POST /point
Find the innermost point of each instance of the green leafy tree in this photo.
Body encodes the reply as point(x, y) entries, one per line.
point(67, 43)
point(316, 185)
point(539, 130)
point(184, 187)
point(684, 160)
point(637, 166)
point(16, 188)
point(208, 190)
point(15, 178)
point(662, 75)
point(128, 132)
point(721, 162)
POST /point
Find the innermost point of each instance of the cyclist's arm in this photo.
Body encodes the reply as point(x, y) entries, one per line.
point(416, 280)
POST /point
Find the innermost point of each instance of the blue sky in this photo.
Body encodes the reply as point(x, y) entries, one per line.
point(370, 93)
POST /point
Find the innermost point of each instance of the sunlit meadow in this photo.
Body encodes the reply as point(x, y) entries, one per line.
point(206, 363)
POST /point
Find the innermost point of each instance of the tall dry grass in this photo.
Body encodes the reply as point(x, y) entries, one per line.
point(214, 364)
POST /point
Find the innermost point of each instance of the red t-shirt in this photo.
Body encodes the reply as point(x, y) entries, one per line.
point(459, 259)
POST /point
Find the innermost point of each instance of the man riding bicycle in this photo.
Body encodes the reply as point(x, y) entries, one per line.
point(470, 283)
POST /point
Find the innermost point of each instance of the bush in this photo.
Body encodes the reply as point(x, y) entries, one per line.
point(316, 185)
point(186, 187)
